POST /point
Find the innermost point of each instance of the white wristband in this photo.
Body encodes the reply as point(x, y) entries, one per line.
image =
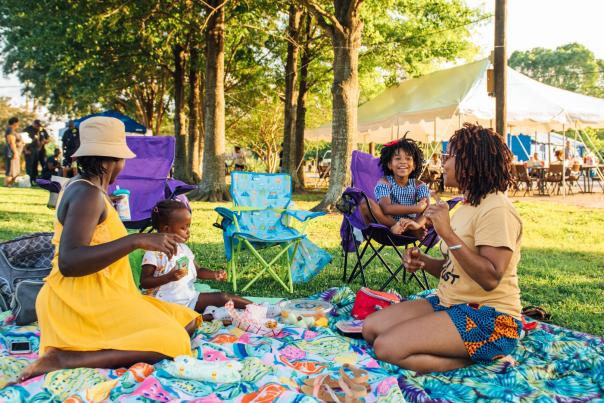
point(455, 247)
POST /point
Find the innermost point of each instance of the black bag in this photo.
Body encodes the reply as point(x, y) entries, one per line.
point(24, 263)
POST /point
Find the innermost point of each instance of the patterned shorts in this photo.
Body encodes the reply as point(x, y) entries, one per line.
point(486, 333)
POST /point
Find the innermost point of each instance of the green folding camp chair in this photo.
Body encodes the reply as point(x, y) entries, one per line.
point(259, 219)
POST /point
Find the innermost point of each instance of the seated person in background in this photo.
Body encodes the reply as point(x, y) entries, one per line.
point(401, 198)
point(559, 158)
point(534, 161)
point(172, 279)
point(435, 165)
point(52, 166)
point(435, 169)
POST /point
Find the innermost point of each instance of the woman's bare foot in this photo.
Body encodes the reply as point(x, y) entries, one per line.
point(51, 361)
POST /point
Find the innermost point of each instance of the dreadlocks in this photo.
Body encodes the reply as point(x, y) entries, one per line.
point(163, 211)
point(483, 163)
point(407, 145)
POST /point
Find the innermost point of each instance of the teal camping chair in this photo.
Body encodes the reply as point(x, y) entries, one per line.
point(259, 219)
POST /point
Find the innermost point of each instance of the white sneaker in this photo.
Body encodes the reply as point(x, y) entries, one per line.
point(217, 313)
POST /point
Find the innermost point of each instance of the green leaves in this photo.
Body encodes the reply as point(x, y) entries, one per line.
point(571, 66)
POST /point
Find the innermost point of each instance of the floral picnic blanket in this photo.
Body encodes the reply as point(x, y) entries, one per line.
point(273, 369)
point(554, 364)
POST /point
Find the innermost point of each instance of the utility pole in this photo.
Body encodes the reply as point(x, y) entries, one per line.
point(500, 64)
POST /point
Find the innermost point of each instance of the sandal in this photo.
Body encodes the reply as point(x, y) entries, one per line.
point(536, 312)
point(359, 376)
point(323, 387)
point(354, 387)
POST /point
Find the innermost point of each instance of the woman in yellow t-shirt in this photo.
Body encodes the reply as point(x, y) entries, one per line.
point(90, 312)
point(475, 314)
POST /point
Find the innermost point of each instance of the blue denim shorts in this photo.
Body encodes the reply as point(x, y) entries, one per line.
point(487, 334)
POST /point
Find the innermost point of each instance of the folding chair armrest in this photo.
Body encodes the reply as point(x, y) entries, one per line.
point(51, 186)
point(303, 215)
point(225, 213)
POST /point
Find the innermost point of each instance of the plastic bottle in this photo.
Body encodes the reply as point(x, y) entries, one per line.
point(122, 205)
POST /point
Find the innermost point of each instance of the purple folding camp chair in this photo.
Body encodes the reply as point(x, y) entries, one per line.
point(361, 238)
point(147, 177)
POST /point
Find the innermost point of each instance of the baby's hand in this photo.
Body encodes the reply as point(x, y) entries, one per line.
point(220, 275)
point(177, 274)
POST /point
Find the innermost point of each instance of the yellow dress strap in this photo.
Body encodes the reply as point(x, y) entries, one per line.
point(107, 198)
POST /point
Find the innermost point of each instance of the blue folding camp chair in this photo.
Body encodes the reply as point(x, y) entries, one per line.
point(259, 219)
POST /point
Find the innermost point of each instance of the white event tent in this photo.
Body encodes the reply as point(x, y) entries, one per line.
point(433, 106)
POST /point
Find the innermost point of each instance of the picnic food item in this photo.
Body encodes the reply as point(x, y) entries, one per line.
point(305, 312)
point(368, 301)
point(182, 263)
point(253, 320)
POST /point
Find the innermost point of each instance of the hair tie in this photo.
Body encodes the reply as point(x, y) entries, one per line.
point(393, 142)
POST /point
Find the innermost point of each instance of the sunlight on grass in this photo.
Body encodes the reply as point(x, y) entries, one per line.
point(562, 266)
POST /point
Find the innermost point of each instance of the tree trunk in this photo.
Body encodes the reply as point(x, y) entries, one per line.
point(345, 98)
point(194, 162)
point(160, 106)
point(200, 124)
point(180, 132)
point(291, 97)
point(213, 185)
point(301, 105)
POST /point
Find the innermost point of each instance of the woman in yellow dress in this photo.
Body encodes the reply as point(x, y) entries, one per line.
point(90, 312)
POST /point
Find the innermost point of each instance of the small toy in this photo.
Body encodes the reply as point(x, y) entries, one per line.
point(253, 320)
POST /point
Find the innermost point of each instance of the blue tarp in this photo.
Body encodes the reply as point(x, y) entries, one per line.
point(132, 126)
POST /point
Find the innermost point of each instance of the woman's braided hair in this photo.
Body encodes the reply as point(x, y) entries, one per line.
point(407, 145)
point(161, 213)
point(483, 162)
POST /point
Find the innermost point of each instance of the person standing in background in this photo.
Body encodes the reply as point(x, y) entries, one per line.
point(569, 151)
point(12, 151)
point(239, 161)
point(36, 151)
point(71, 142)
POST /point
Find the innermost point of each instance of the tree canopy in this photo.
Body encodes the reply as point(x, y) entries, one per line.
point(571, 66)
point(148, 58)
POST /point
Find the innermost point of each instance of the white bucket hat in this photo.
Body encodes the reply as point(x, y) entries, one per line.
point(102, 136)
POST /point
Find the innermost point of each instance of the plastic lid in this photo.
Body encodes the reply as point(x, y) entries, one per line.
point(119, 192)
point(306, 307)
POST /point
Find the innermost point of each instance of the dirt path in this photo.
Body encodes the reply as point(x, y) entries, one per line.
point(590, 200)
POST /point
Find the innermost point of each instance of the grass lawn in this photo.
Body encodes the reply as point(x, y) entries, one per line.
point(562, 265)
